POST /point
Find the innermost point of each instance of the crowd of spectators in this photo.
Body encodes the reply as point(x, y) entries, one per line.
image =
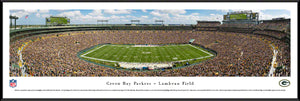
point(276, 34)
point(237, 54)
point(207, 28)
point(238, 25)
point(281, 25)
point(208, 24)
point(283, 58)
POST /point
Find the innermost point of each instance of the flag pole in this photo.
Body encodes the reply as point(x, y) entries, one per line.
point(26, 17)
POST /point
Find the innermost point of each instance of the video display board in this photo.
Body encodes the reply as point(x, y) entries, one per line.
point(238, 16)
point(57, 21)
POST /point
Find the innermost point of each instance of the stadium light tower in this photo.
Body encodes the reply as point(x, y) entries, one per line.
point(102, 21)
point(159, 21)
point(15, 18)
point(133, 21)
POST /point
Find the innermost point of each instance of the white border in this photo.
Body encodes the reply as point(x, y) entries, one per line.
point(200, 82)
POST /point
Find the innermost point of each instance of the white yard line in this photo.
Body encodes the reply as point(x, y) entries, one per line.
point(128, 58)
point(118, 53)
point(272, 69)
point(125, 55)
point(202, 50)
point(194, 58)
point(173, 50)
point(23, 69)
point(188, 55)
point(92, 50)
point(99, 59)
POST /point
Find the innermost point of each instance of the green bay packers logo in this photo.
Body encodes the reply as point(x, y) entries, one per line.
point(284, 83)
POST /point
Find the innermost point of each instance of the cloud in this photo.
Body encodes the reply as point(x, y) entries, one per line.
point(138, 18)
point(264, 16)
point(16, 10)
point(193, 18)
point(129, 16)
point(173, 11)
point(96, 12)
point(145, 17)
point(31, 10)
point(43, 11)
point(261, 12)
point(78, 18)
point(60, 10)
point(184, 19)
point(19, 14)
point(116, 17)
point(38, 15)
point(36, 12)
point(224, 10)
point(22, 13)
point(165, 12)
point(195, 14)
point(70, 14)
point(45, 15)
point(180, 16)
point(269, 17)
point(117, 11)
point(144, 10)
point(75, 16)
point(159, 14)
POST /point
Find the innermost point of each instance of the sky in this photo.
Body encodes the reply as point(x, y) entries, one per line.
point(124, 16)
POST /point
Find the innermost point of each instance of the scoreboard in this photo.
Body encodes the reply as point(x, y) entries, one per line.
point(57, 21)
point(241, 16)
point(238, 16)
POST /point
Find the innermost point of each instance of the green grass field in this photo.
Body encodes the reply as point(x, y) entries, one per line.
point(131, 53)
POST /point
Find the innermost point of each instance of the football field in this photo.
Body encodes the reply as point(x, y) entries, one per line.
point(146, 53)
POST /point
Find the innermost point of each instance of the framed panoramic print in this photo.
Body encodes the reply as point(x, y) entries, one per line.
point(174, 50)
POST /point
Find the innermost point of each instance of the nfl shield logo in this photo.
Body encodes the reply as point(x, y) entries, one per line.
point(13, 83)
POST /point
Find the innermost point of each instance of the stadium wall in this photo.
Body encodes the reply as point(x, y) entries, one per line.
point(18, 34)
point(21, 33)
point(236, 29)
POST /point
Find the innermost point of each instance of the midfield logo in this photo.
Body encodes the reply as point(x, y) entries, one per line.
point(13, 83)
